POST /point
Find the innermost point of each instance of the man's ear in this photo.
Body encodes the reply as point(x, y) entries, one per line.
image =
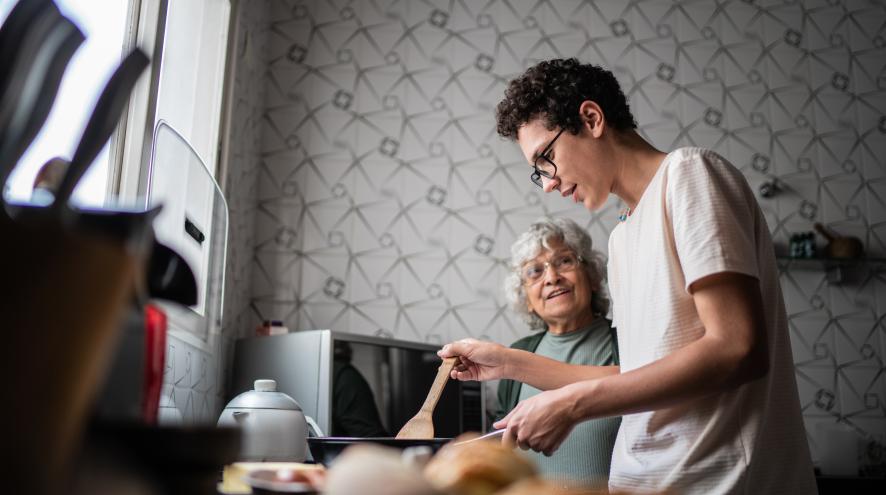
point(592, 116)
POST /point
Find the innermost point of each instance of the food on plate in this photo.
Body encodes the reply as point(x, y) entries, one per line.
point(477, 468)
point(234, 475)
point(315, 478)
point(535, 486)
point(285, 481)
point(370, 469)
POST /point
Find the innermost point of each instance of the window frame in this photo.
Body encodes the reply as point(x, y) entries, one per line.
point(133, 147)
point(134, 139)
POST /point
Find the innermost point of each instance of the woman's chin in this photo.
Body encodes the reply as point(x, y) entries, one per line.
point(562, 310)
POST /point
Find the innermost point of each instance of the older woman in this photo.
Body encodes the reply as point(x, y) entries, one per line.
point(556, 286)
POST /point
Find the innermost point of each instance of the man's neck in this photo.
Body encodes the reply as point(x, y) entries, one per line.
point(637, 162)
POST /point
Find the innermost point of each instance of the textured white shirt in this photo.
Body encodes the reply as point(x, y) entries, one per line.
point(698, 217)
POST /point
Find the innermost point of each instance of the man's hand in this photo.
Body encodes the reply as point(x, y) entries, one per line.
point(481, 361)
point(541, 423)
point(478, 360)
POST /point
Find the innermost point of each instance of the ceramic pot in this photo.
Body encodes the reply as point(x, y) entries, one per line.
point(273, 424)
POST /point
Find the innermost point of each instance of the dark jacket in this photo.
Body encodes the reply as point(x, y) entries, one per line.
point(509, 390)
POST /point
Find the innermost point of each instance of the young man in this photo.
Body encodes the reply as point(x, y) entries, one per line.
point(706, 384)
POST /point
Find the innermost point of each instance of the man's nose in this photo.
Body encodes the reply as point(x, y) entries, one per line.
point(551, 184)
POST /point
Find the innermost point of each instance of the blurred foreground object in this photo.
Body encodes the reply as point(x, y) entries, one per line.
point(48, 180)
point(234, 482)
point(375, 470)
point(536, 486)
point(67, 273)
point(477, 468)
point(62, 301)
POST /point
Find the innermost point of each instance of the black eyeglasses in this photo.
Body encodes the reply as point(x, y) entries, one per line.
point(548, 169)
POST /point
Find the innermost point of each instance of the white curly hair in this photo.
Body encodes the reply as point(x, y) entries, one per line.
point(538, 238)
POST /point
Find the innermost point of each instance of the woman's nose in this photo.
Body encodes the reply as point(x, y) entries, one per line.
point(551, 275)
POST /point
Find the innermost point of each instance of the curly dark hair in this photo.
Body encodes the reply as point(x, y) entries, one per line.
point(554, 89)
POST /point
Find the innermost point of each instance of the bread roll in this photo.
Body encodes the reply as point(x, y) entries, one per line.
point(477, 468)
point(368, 469)
point(536, 486)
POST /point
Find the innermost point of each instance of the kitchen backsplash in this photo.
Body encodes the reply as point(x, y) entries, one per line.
point(370, 193)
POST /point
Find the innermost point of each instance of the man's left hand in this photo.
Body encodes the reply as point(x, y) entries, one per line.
point(541, 423)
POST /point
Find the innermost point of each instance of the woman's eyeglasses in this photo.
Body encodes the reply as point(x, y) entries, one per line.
point(534, 271)
point(547, 168)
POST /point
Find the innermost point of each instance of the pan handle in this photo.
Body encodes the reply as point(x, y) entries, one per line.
point(314, 427)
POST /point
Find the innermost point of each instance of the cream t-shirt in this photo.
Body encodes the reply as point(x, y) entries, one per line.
point(698, 217)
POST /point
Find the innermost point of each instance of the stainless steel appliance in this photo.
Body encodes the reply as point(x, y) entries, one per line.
point(333, 375)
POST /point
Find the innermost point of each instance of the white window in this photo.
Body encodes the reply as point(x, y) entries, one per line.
point(185, 121)
point(187, 41)
point(104, 23)
point(192, 73)
point(185, 88)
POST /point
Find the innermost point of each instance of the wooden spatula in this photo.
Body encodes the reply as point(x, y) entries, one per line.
point(422, 424)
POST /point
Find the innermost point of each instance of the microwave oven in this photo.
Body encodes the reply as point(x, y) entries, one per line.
point(356, 385)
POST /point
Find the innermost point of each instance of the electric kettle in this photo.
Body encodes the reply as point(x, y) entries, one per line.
point(273, 424)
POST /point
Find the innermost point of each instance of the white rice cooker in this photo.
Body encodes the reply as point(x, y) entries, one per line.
point(273, 424)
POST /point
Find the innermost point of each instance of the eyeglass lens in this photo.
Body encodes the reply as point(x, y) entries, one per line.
point(561, 263)
point(547, 168)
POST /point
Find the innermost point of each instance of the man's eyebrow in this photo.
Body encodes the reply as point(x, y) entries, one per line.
point(538, 153)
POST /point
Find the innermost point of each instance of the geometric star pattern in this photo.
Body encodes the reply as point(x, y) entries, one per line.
point(372, 194)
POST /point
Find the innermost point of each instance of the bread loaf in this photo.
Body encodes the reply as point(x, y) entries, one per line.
point(477, 468)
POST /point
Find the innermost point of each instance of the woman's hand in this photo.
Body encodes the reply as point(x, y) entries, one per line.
point(478, 360)
point(542, 422)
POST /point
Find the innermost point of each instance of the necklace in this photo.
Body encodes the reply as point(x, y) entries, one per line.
point(624, 214)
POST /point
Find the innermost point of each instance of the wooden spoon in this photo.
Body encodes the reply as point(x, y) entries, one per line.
point(422, 424)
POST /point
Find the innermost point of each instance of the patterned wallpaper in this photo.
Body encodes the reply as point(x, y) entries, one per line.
point(385, 202)
point(243, 169)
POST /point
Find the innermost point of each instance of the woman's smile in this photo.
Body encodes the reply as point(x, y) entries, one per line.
point(557, 292)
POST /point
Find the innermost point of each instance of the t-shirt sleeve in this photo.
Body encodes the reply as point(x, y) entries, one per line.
point(713, 215)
